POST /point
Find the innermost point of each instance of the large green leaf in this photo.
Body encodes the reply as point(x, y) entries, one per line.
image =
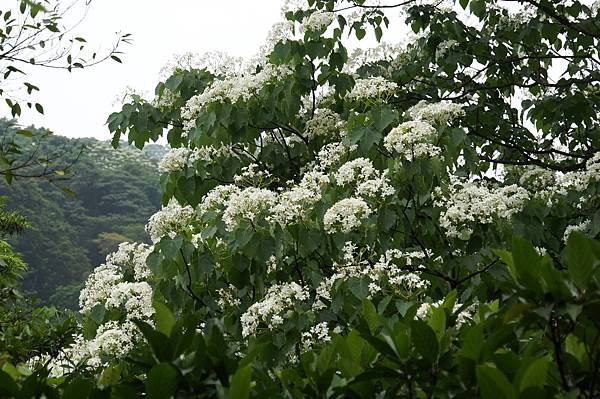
point(493, 384)
point(161, 382)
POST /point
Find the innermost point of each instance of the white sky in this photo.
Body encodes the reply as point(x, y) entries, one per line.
point(77, 104)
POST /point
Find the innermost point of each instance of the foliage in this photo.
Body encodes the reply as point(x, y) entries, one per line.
point(343, 228)
point(108, 194)
point(26, 329)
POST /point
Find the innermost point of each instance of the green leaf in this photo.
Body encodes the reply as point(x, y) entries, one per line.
point(472, 342)
point(383, 117)
point(114, 57)
point(159, 343)
point(164, 318)
point(241, 383)
point(424, 339)
point(437, 321)
point(535, 374)
point(360, 33)
point(7, 385)
point(493, 384)
point(581, 256)
point(39, 108)
point(161, 382)
point(78, 388)
point(370, 315)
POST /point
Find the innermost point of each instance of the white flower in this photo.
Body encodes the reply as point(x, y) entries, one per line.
point(582, 227)
point(170, 220)
point(217, 198)
point(325, 123)
point(248, 204)
point(317, 21)
point(232, 89)
point(463, 316)
point(132, 255)
point(279, 297)
point(113, 340)
point(412, 139)
point(468, 203)
point(346, 215)
point(444, 47)
point(135, 298)
point(376, 186)
point(227, 297)
point(174, 160)
point(251, 175)
point(441, 113)
point(359, 169)
point(332, 153)
point(318, 334)
point(372, 88)
point(99, 286)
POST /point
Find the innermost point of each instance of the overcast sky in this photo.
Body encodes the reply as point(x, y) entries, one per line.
point(77, 104)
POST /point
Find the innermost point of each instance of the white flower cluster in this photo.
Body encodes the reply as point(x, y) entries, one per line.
point(232, 89)
point(252, 175)
point(248, 204)
point(227, 297)
point(580, 179)
point(332, 153)
point(441, 113)
point(278, 298)
point(359, 169)
point(216, 62)
point(294, 204)
point(412, 140)
point(99, 285)
point(318, 334)
point(539, 181)
point(444, 47)
point(170, 220)
point(165, 100)
point(317, 21)
point(550, 185)
point(369, 182)
point(473, 202)
point(174, 160)
point(386, 270)
point(112, 341)
point(346, 215)
point(134, 255)
point(389, 271)
point(135, 298)
point(325, 123)
point(581, 227)
point(217, 198)
point(108, 287)
point(462, 317)
point(383, 51)
point(375, 88)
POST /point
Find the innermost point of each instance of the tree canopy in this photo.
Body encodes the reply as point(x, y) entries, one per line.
point(406, 221)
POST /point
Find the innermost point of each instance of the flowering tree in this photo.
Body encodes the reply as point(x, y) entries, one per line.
point(352, 226)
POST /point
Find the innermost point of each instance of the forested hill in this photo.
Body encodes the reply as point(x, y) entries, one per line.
point(77, 221)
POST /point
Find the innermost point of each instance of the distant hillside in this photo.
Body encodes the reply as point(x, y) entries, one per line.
point(76, 222)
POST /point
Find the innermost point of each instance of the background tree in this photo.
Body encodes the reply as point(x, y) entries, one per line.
point(39, 34)
point(108, 196)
